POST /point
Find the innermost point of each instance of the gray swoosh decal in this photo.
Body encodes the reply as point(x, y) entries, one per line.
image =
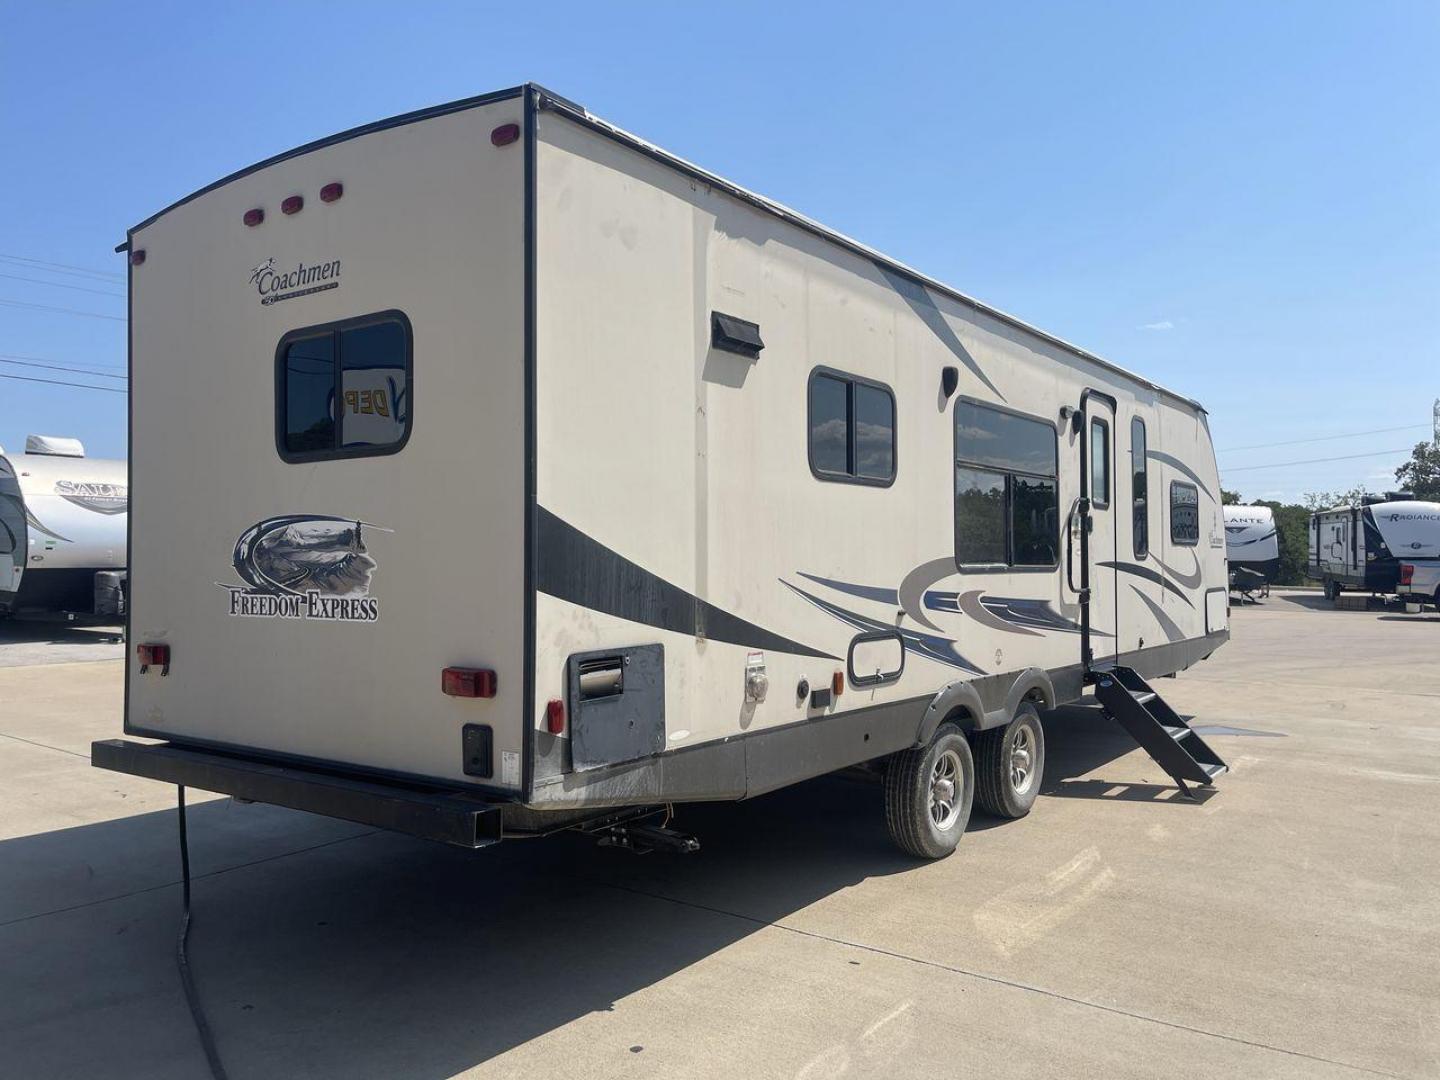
point(1149, 575)
point(1254, 540)
point(931, 646)
point(1172, 631)
point(970, 605)
point(1190, 581)
point(35, 524)
point(1177, 464)
point(923, 304)
point(865, 592)
point(574, 567)
point(912, 589)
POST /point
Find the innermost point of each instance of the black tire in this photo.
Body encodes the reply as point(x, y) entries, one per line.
point(1332, 591)
point(995, 764)
point(908, 789)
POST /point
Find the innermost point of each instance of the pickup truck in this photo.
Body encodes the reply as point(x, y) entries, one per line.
point(1420, 580)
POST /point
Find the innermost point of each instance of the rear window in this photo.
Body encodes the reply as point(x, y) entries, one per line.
point(343, 389)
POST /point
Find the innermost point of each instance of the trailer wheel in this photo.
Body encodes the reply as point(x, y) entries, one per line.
point(1332, 590)
point(1009, 764)
point(928, 794)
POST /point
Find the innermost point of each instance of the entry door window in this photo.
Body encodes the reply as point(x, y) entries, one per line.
point(1099, 463)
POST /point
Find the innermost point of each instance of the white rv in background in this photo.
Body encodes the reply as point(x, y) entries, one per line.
point(1252, 547)
point(574, 481)
point(1362, 547)
point(63, 520)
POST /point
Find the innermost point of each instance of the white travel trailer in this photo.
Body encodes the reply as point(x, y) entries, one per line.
point(1252, 547)
point(1361, 547)
point(62, 531)
point(571, 479)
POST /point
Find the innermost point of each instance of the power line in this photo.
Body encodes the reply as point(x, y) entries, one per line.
point(57, 382)
point(1312, 461)
point(1324, 438)
point(52, 360)
point(63, 268)
point(62, 310)
point(63, 285)
point(64, 367)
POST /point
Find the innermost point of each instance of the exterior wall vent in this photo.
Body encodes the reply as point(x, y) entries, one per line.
point(735, 335)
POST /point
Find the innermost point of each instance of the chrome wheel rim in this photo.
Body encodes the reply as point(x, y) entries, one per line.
point(946, 781)
point(1022, 760)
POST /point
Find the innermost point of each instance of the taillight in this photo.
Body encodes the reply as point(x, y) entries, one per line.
point(468, 682)
point(1407, 573)
point(153, 654)
point(293, 204)
point(555, 716)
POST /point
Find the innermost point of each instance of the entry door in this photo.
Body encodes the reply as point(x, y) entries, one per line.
point(1098, 479)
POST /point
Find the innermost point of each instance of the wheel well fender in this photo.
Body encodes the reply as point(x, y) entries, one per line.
point(958, 701)
point(1032, 684)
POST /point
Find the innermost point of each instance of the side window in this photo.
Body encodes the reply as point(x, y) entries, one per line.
point(1099, 463)
point(343, 389)
point(1006, 495)
point(1139, 489)
point(851, 424)
point(1184, 513)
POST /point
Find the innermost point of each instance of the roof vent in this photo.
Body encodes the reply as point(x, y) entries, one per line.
point(54, 446)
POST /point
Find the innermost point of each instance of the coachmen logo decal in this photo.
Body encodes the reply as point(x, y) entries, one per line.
point(93, 495)
point(305, 566)
point(275, 285)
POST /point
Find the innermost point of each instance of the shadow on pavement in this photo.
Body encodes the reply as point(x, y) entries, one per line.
point(323, 949)
point(14, 631)
point(370, 954)
point(1079, 740)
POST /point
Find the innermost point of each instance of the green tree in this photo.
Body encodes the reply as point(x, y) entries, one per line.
point(1324, 500)
point(1229, 498)
point(1292, 529)
point(1421, 474)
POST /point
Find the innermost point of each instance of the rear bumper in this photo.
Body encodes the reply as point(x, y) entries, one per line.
point(451, 818)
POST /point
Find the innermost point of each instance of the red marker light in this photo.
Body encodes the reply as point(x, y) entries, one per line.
point(331, 192)
point(153, 654)
point(468, 682)
point(254, 217)
point(555, 717)
point(293, 205)
point(137, 258)
point(505, 134)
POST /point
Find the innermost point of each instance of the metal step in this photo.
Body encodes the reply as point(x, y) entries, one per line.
point(1163, 733)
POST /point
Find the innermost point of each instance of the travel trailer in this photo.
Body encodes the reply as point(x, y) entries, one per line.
point(1361, 547)
point(62, 531)
point(1252, 548)
point(574, 481)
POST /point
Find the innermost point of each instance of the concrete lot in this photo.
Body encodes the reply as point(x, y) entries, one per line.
point(1284, 927)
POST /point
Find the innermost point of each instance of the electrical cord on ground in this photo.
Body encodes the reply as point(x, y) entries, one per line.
point(192, 996)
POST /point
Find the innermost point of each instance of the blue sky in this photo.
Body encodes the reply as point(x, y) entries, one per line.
point(1238, 200)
